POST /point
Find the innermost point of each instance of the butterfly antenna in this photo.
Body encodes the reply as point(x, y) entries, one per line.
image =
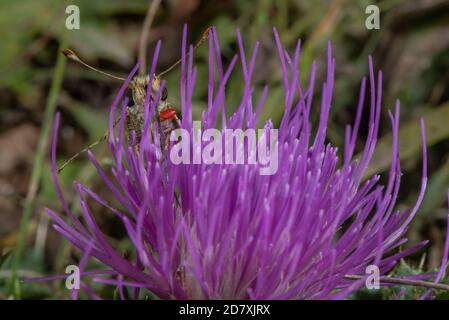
point(73, 56)
point(203, 38)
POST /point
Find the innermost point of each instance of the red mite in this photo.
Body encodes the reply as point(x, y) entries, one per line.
point(167, 114)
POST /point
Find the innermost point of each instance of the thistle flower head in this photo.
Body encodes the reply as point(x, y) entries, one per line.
point(225, 231)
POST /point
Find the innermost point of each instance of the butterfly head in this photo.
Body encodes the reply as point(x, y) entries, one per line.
point(139, 86)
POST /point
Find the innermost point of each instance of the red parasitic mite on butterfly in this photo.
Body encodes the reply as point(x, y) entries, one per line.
point(166, 115)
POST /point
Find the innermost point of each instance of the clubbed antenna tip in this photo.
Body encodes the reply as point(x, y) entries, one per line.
point(73, 56)
point(70, 54)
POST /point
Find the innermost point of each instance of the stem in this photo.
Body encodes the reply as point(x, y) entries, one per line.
point(152, 9)
point(38, 166)
point(407, 282)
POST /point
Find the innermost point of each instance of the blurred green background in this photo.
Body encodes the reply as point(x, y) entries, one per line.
point(411, 48)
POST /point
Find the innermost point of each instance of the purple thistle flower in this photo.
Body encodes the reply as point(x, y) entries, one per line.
point(224, 231)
